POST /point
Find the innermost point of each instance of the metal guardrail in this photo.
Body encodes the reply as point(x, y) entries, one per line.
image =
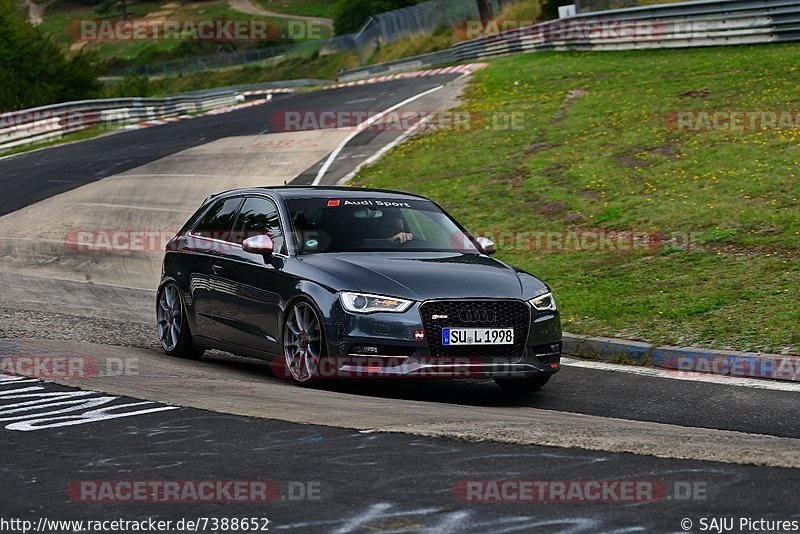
point(423, 61)
point(677, 25)
point(46, 123)
point(241, 88)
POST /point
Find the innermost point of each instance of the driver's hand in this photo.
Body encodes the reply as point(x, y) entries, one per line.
point(402, 237)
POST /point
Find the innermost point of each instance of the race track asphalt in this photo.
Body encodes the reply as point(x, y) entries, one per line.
point(386, 455)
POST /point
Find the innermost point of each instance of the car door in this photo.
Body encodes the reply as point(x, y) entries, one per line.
point(198, 246)
point(249, 308)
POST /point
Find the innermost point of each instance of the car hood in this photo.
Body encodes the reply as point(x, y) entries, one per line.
point(426, 275)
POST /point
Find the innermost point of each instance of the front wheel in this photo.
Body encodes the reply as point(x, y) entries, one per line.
point(522, 386)
point(302, 343)
point(173, 325)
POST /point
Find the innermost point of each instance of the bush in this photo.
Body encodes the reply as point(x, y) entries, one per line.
point(33, 71)
point(525, 10)
point(131, 85)
point(441, 39)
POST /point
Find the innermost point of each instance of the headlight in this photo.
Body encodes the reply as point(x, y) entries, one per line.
point(544, 302)
point(364, 303)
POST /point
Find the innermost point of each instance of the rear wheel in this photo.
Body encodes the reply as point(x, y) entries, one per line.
point(302, 343)
point(173, 325)
point(522, 386)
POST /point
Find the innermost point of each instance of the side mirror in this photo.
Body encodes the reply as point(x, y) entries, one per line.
point(487, 245)
point(260, 244)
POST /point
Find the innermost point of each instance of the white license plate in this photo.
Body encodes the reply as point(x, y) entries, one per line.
point(477, 336)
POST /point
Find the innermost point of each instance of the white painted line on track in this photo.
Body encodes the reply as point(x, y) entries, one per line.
point(360, 100)
point(754, 383)
point(127, 207)
point(82, 406)
point(37, 239)
point(363, 126)
point(379, 154)
point(167, 175)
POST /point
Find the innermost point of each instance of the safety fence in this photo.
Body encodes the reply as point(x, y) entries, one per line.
point(676, 25)
point(420, 19)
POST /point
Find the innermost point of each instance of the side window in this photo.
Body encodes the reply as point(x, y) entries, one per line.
point(260, 216)
point(217, 223)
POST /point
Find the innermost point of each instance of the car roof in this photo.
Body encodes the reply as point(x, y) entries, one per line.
point(289, 192)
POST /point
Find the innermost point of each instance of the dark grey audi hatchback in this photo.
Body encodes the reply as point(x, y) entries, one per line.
point(330, 282)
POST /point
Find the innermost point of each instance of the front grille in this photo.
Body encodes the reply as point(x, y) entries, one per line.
point(476, 313)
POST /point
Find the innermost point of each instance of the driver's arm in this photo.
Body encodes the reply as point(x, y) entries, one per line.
point(402, 237)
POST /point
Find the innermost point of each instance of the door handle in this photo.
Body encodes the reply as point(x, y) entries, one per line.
point(216, 268)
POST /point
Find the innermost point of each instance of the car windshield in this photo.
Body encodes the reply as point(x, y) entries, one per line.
point(374, 225)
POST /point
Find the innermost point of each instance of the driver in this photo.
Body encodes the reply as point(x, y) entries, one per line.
point(398, 229)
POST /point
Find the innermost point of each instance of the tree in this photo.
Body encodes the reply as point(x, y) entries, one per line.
point(33, 71)
point(484, 11)
point(350, 15)
point(550, 8)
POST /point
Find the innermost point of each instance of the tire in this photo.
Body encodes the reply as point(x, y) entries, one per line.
point(173, 324)
point(303, 343)
point(522, 386)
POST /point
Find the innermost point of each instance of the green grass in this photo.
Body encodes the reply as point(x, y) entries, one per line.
point(412, 46)
point(57, 20)
point(604, 159)
point(308, 8)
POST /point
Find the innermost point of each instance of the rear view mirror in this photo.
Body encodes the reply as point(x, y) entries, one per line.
point(368, 213)
point(487, 245)
point(260, 244)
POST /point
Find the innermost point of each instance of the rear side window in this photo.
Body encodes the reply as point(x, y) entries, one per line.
point(218, 222)
point(260, 216)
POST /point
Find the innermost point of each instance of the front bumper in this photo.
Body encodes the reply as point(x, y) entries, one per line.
point(396, 345)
